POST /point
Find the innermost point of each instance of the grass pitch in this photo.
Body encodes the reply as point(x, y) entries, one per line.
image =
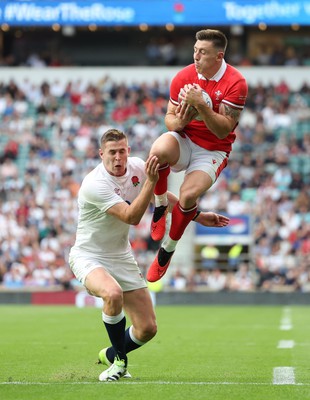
point(200, 352)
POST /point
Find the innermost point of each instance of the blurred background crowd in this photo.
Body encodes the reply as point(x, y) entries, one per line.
point(153, 46)
point(49, 141)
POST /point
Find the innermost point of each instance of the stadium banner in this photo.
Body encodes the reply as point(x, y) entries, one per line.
point(84, 299)
point(53, 297)
point(238, 230)
point(154, 12)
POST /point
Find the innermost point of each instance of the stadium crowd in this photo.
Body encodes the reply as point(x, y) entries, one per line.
point(159, 50)
point(49, 140)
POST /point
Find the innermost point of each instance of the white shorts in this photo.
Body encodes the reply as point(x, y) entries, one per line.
point(124, 270)
point(196, 158)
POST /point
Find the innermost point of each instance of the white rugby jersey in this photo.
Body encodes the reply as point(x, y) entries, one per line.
point(99, 233)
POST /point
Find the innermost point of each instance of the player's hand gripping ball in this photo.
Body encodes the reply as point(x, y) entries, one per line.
point(206, 98)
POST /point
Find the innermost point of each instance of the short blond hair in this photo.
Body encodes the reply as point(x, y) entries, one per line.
point(112, 135)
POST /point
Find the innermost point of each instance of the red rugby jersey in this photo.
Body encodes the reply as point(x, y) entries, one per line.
point(227, 86)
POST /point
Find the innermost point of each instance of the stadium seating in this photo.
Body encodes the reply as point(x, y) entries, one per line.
point(60, 144)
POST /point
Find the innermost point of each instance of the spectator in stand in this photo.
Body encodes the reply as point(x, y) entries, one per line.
point(178, 281)
point(291, 58)
point(10, 150)
point(235, 255)
point(167, 51)
point(242, 280)
point(263, 55)
point(15, 276)
point(216, 280)
point(236, 206)
point(152, 51)
point(8, 170)
point(304, 278)
point(34, 60)
point(209, 256)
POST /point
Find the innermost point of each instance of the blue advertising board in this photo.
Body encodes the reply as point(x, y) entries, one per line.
point(238, 230)
point(238, 225)
point(154, 12)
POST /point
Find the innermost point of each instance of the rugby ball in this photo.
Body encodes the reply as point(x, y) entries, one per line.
point(206, 98)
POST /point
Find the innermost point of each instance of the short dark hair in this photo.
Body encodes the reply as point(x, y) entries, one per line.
point(218, 38)
point(112, 135)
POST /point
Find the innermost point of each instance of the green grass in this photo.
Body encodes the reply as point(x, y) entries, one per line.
point(200, 352)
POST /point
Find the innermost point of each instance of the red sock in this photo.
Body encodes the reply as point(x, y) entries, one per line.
point(162, 183)
point(180, 218)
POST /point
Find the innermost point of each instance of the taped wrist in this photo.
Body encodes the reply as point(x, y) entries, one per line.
point(196, 215)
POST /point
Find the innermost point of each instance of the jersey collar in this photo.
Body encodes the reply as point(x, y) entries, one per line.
point(218, 75)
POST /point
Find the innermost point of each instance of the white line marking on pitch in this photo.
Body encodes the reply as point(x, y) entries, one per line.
point(283, 376)
point(286, 320)
point(285, 326)
point(123, 382)
point(286, 344)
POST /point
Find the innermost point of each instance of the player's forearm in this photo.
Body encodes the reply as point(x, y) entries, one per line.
point(218, 124)
point(139, 206)
point(173, 123)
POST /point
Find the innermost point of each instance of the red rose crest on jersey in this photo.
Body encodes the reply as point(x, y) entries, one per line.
point(135, 181)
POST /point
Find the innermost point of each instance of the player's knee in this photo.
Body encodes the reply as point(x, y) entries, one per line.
point(188, 198)
point(114, 297)
point(160, 154)
point(162, 151)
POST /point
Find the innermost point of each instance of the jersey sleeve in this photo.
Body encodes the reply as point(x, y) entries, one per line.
point(101, 196)
point(237, 94)
point(176, 85)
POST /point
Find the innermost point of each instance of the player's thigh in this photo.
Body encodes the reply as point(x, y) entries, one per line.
point(139, 307)
point(100, 283)
point(194, 185)
point(166, 148)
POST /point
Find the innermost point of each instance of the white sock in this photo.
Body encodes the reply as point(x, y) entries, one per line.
point(161, 200)
point(169, 244)
point(112, 319)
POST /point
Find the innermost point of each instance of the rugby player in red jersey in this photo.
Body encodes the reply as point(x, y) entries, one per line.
point(206, 100)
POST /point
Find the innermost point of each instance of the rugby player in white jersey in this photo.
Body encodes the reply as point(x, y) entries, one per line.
point(113, 196)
